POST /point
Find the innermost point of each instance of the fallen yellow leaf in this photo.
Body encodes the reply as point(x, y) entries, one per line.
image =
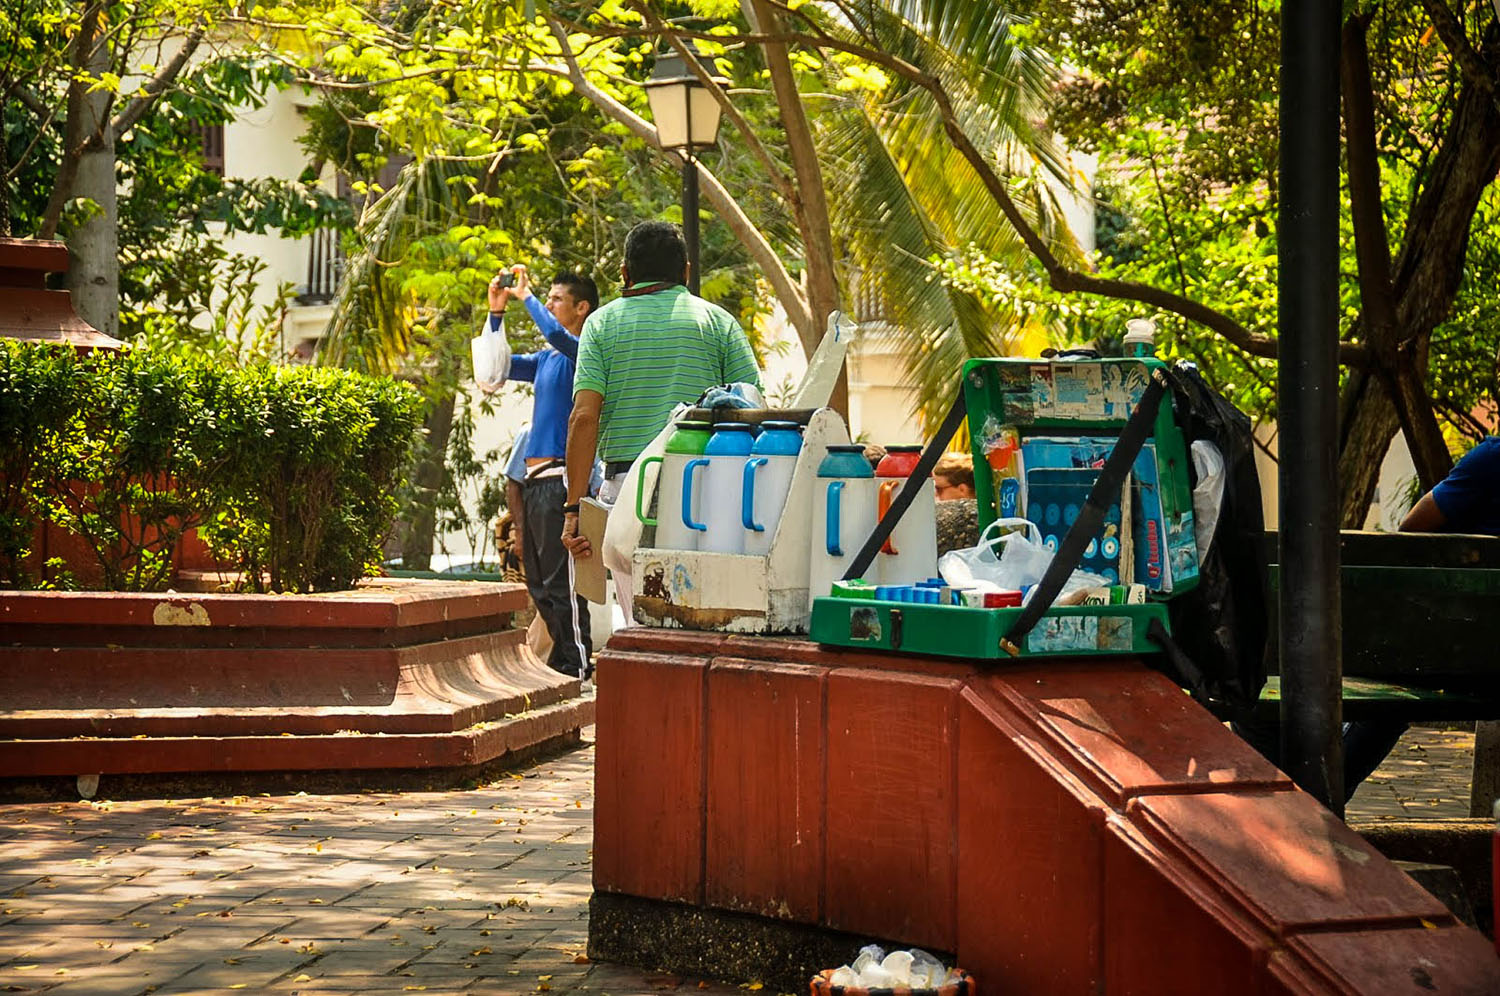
point(302, 978)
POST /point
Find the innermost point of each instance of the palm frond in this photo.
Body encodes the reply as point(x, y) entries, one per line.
point(373, 317)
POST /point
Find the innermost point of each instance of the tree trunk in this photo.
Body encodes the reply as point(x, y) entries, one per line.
point(94, 273)
point(1427, 274)
point(810, 203)
point(427, 479)
point(1368, 421)
point(1403, 377)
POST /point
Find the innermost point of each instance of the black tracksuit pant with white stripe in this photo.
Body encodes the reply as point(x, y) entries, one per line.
point(549, 576)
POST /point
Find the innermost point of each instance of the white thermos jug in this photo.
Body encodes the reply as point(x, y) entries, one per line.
point(843, 515)
point(767, 479)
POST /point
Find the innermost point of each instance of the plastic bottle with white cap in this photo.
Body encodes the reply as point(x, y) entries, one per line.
point(1140, 338)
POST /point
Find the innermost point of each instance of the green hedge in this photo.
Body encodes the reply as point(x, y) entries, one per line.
point(289, 472)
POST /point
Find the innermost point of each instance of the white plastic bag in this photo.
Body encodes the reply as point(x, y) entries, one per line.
point(1208, 496)
point(1010, 562)
point(491, 355)
point(622, 534)
point(827, 360)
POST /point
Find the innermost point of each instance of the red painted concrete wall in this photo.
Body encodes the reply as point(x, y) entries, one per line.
point(1067, 828)
point(394, 674)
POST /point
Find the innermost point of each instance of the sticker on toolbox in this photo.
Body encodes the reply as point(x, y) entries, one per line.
point(1042, 395)
point(864, 624)
point(1055, 633)
point(1078, 390)
point(1071, 390)
point(1116, 633)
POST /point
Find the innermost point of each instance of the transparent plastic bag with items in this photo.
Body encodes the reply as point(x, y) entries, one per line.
point(912, 969)
point(1009, 561)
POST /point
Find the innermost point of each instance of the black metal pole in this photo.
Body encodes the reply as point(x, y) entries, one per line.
point(1308, 298)
point(690, 216)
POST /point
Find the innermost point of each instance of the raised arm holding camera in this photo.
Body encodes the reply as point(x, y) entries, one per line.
point(549, 570)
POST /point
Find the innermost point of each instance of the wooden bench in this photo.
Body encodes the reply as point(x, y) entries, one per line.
point(1421, 636)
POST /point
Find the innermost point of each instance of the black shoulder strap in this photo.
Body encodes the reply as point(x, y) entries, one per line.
point(929, 459)
point(1086, 527)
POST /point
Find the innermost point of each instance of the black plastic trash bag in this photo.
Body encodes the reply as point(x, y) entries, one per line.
point(1217, 648)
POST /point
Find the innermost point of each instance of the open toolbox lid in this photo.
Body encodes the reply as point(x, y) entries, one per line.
point(1066, 415)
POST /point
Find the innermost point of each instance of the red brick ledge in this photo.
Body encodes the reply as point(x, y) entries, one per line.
point(1068, 828)
point(158, 755)
point(379, 603)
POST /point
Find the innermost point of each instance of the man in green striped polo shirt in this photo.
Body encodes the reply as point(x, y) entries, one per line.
point(639, 356)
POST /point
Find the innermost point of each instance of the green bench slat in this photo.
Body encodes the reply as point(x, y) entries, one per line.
point(1365, 698)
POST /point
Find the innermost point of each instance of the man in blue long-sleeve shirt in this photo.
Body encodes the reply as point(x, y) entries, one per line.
point(549, 569)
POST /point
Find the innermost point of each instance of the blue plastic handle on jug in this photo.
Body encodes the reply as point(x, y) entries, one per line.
point(687, 494)
point(834, 489)
point(747, 499)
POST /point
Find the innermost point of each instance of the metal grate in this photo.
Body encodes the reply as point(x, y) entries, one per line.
point(325, 266)
point(211, 139)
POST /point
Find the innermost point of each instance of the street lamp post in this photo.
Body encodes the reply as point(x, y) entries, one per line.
point(687, 118)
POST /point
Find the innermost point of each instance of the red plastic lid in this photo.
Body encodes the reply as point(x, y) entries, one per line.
point(899, 461)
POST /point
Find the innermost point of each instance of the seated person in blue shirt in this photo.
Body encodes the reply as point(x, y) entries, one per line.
point(1466, 501)
point(549, 569)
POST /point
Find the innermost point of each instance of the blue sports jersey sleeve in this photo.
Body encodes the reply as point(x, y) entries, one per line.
point(558, 337)
point(1469, 497)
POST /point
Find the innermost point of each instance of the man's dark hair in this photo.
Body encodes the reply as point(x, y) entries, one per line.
point(655, 253)
point(581, 287)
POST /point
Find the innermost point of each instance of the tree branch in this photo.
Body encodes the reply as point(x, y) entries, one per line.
point(33, 103)
point(1475, 68)
point(810, 201)
point(140, 104)
point(752, 141)
point(1404, 385)
point(1060, 277)
point(74, 141)
point(750, 237)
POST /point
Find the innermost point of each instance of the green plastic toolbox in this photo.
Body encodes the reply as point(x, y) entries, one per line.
point(1039, 430)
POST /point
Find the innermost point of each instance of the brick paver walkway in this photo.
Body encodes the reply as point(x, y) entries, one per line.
point(1426, 777)
point(481, 891)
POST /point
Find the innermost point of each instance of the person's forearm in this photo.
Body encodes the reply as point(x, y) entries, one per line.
point(558, 337)
point(1425, 517)
point(513, 503)
point(583, 441)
